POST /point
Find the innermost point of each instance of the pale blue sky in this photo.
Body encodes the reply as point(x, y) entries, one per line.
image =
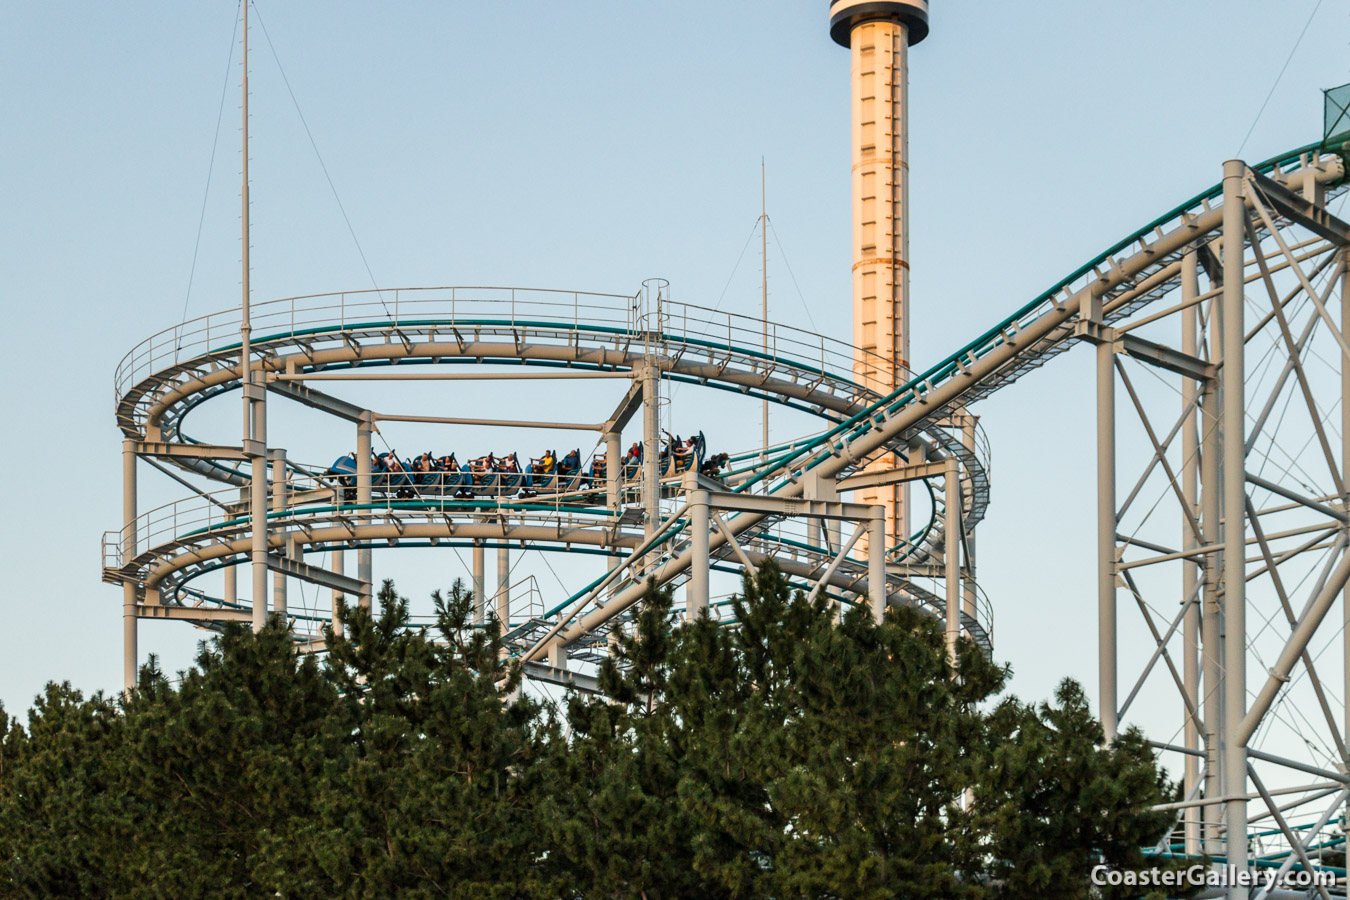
point(589, 145)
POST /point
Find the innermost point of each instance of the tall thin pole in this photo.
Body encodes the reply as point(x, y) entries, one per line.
point(245, 328)
point(1106, 538)
point(764, 257)
point(130, 651)
point(1211, 629)
point(255, 415)
point(1345, 474)
point(1190, 575)
point(951, 512)
point(1234, 522)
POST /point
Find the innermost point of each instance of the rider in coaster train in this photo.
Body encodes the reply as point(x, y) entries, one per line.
point(427, 470)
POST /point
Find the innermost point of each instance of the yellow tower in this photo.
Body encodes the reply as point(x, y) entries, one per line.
point(878, 34)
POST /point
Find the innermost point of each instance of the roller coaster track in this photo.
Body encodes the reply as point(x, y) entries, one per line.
point(169, 375)
point(1128, 276)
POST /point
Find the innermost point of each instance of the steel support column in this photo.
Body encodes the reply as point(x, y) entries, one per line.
point(876, 562)
point(479, 583)
point(1190, 573)
point(364, 559)
point(951, 553)
point(1345, 476)
point(651, 449)
point(130, 650)
point(613, 472)
point(504, 585)
point(337, 562)
point(279, 501)
point(613, 486)
point(1211, 633)
point(697, 591)
point(1106, 538)
point(258, 515)
point(968, 605)
point(1235, 519)
point(231, 573)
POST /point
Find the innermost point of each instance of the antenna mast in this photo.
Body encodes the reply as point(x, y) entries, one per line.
point(764, 257)
point(254, 442)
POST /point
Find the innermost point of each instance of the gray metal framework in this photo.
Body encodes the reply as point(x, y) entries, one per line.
point(159, 553)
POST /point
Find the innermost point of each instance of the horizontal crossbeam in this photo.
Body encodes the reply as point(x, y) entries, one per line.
point(317, 400)
point(188, 451)
point(315, 575)
point(1166, 358)
point(1311, 216)
point(565, 677)
point(898, 475)
point(785, 506)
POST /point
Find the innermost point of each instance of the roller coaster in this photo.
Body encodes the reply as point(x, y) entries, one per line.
point(1231, 459)
point(502, 476)
point(551, 502)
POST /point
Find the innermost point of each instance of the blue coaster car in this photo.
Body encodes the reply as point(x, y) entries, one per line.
point(632, 463)
point(679, 456)
point(509, 477)
point(393, 474)
point(430, 476)
point(482, 475)
point(569, 473)
point(345, 468)
point(598, 475)
point(540, 473)
point(450, 477)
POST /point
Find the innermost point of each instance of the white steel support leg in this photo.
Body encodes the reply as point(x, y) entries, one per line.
point(364, 560)
point(697, 591)
point(504, 585)
point(479, 583)
point(613, 488)
point(337, 562)
point(1211, 639)
point(952, 552)
point(232, 572)
point(1190, 573)
point(968, 606)
point(876, 563)
point(651, 450)
point(279, 500)
point(613, 472)
point(130, 650)
point(1106, 538)
point(258, 551)
point(1234, 509)
point(1345, 475)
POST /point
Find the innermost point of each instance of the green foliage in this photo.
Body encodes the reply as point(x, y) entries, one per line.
point(796, 754)
point(1056, 794)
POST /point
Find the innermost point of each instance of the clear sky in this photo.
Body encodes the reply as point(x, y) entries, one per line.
point(589, 145)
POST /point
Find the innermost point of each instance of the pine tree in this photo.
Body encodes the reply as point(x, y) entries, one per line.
point(1059, 800)
point(791, 753)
